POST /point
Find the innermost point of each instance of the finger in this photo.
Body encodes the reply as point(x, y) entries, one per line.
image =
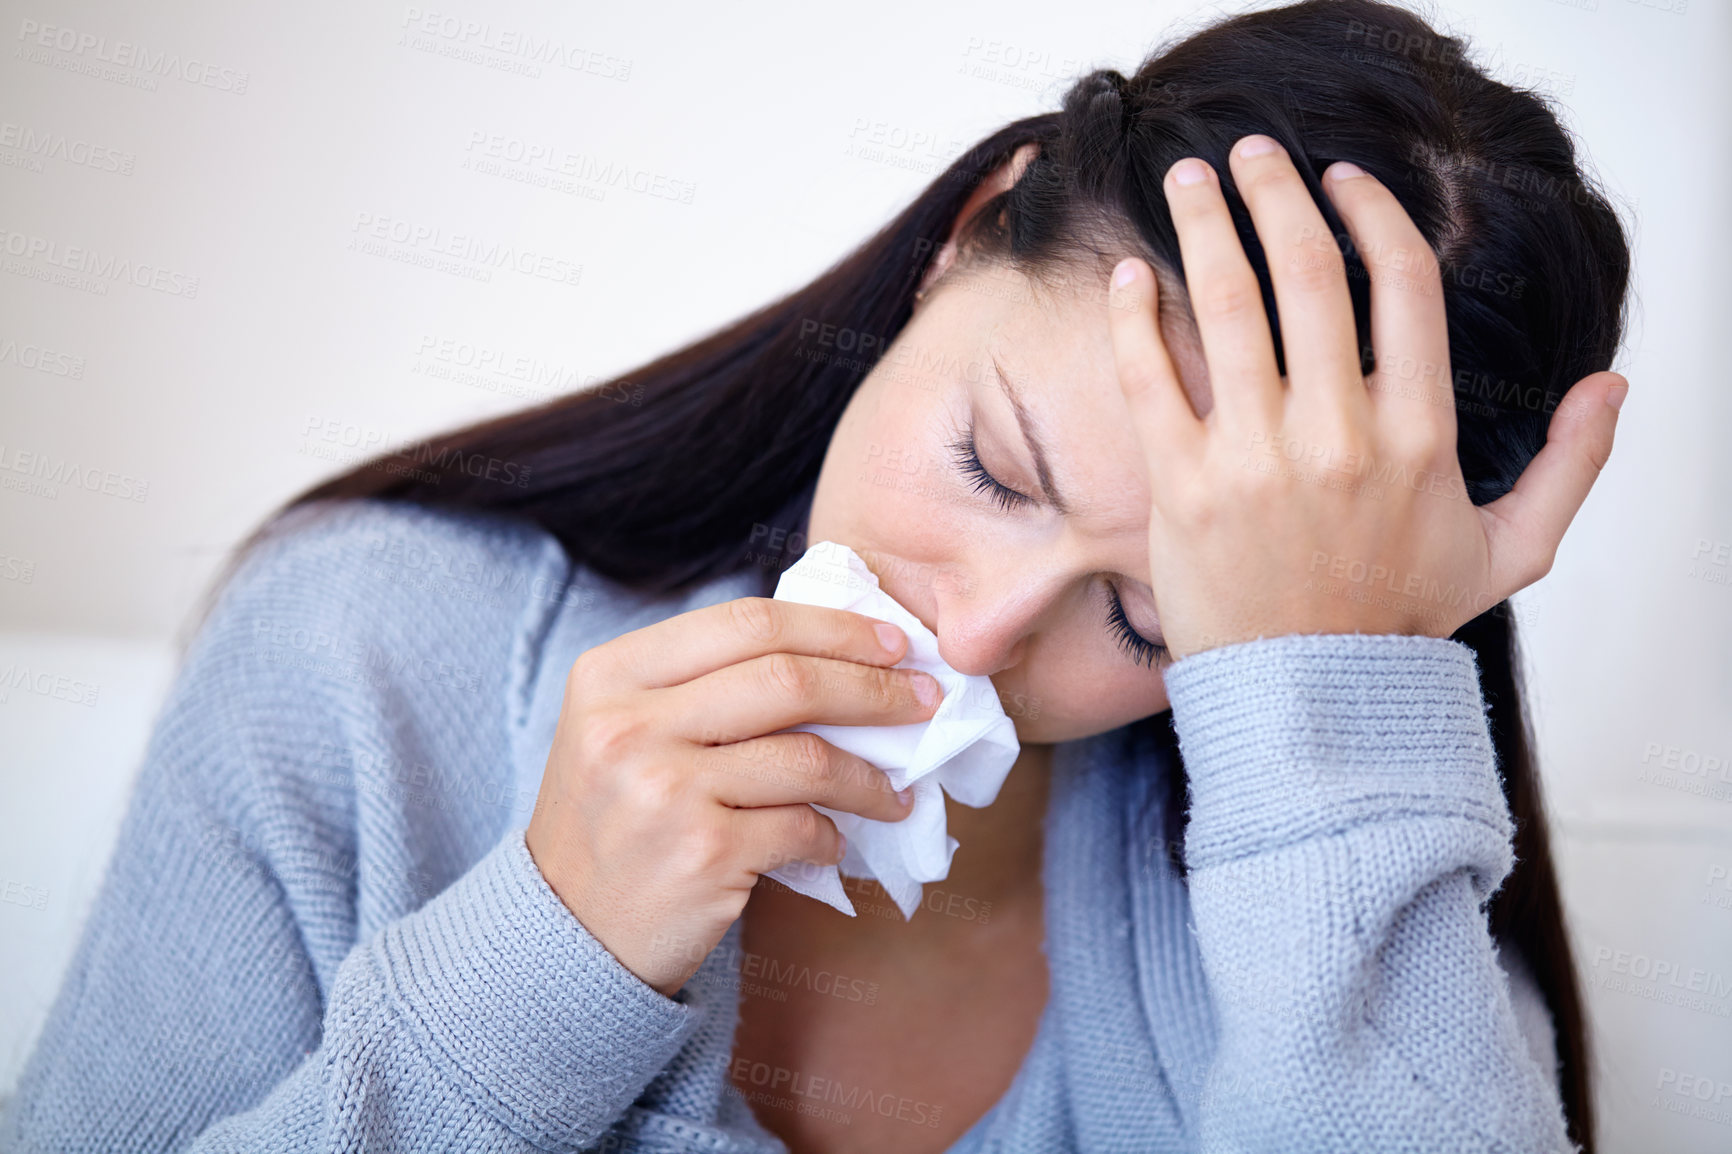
point(1525, 525)
point(1166, 425)
point(690, 645)
point(788, 768)
point(1308, 273)
point(1226, 300)
point(1410, 390)
point(769, 693)
point(774, 836)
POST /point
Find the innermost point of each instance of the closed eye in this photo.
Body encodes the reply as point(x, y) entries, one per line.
point(1140, 648)
point(967, 458)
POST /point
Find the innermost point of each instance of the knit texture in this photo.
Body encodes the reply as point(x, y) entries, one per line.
point(321, 929)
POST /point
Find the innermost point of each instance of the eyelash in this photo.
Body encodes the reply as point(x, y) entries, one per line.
point(968, 461)
point(1140, 648)
point(967, 457)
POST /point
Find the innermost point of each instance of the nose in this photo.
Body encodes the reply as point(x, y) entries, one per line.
point(983, 620)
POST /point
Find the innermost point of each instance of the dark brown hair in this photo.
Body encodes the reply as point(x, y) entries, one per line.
point(703, 461)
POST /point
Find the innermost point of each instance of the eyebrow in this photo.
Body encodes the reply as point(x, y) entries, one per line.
point(1025, 423)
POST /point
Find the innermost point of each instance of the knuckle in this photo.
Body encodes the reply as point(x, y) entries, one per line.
point(1368, 452)
point(1229, 300)
point(610, 734)
point(657, 788)
point(1339, 434)
point(582, 680)
point(1198, 515)
point(809, 755)
point(1425, 440)
point(889, 689)
point(787, 675)
point(1137, 375)
point(1414, 255)
point(1316, 272)
point(756, 618)
point(1354, 199)
point(806, 826)
point(1266, 174)
point(1414, 434)
point(1244, 488)
point(1189, 208)
point(710, 846)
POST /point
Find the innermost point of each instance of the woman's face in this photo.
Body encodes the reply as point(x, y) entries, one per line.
point(1017, 583)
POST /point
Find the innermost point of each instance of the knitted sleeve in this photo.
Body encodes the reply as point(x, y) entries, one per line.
point(1346, 828)
point(228, 995)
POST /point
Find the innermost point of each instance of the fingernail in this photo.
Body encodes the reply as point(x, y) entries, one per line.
point(927, 689)
point(889, 637)
point(844, 840)
point(1344, 170)
point(1188, 172)
point(1257, 146)
point(905, 795)
point(1124, 274)
point(1616, 394)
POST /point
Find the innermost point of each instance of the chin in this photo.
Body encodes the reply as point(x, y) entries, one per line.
point(1050, 730)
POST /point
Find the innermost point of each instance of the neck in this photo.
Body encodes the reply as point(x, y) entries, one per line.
point(999, 859)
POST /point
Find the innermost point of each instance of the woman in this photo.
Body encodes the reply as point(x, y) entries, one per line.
point(449, 834)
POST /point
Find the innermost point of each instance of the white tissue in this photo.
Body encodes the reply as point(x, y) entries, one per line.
point(967, 748)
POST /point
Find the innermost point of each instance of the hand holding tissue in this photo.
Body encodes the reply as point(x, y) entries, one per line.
point(965, 750)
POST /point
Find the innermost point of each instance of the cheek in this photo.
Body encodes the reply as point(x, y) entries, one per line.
point(888, 483)
point(1062, 692)
point(888, 489)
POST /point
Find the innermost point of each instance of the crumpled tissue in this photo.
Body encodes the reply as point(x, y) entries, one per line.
point(966, 749)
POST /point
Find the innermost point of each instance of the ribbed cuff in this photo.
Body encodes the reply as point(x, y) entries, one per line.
point(514, 1000)
point(1290, 738)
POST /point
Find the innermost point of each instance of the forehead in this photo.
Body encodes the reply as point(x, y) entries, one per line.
point(1052, 348)
point(1064, 312)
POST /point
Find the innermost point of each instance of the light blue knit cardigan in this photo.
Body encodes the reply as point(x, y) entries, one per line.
point(321, 929)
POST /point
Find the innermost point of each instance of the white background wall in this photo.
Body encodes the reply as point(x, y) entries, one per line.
point(751, 128)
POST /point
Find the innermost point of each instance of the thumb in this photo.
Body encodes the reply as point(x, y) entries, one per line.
point(1525, 525)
